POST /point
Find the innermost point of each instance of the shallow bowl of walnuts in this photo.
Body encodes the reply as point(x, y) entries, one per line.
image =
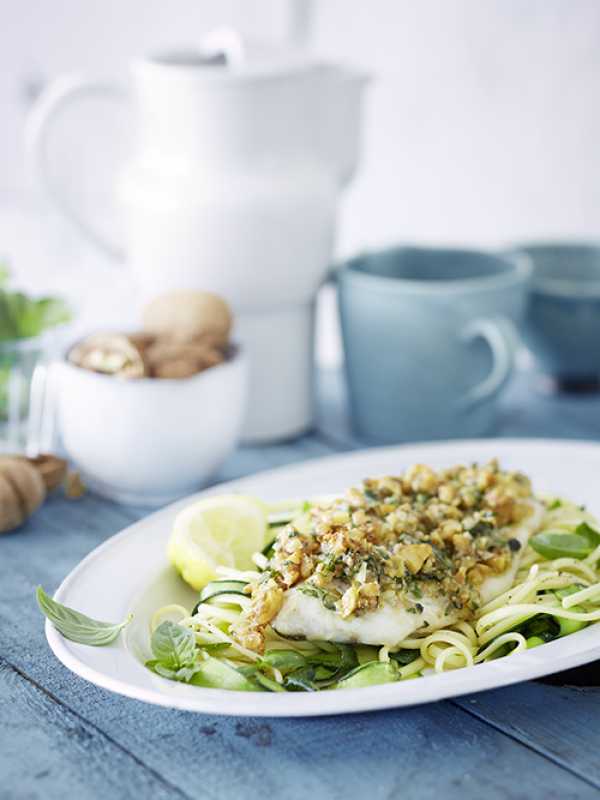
point(148, 416)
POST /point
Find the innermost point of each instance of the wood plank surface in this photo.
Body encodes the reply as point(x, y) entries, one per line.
point(560, 722)
point(61, 737)
point(49, 751)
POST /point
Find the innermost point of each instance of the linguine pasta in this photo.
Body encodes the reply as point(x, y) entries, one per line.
point(549, 598)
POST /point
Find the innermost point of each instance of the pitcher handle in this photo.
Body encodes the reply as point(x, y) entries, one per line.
point(502, 339)
point(51, 103)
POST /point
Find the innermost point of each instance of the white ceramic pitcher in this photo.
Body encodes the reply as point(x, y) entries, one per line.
point(242, 152)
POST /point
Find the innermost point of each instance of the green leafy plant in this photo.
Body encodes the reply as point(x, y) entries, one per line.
point(76, 626)
point(22, 317)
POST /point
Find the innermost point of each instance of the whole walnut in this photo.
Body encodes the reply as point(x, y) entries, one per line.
point(179, 360)
point(52, 469)
point(109, 353)
point(187, 316)
point(24, 483)
point(22, 491)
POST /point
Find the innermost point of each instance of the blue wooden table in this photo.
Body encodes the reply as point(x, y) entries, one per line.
point(61, 737)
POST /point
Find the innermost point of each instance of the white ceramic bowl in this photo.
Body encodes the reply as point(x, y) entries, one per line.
point(149, 441)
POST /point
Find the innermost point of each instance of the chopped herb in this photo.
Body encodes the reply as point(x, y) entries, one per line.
point(328, 600)
point(404, 657)
point(481, 528)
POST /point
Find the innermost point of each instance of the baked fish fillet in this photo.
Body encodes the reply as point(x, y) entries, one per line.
point(305, 616)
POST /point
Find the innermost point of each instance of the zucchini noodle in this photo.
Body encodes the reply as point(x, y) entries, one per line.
point(550, 598)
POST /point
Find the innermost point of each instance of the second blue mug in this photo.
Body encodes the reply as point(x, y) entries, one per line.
point(562, 323)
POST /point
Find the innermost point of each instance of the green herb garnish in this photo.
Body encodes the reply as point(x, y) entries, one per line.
point(173, 645)
point(558, 544)
point(327, 599)
point(78, 627)
point(404, 657)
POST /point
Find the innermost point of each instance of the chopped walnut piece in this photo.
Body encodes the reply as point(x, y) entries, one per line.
point(415, 555)
point(479, 573)
point(349, 601)
point(462, 542)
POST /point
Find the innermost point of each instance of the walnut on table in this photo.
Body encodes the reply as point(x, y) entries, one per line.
point(25, 484)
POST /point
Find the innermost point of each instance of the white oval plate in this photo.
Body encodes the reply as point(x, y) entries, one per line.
point(129, 572)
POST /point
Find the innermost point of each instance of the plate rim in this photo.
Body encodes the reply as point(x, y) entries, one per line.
point(492, 675)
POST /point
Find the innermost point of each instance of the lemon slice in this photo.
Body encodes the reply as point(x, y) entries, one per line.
point(217, 531)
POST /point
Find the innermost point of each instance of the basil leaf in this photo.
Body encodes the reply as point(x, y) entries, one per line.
point(173, 645)
point(301, 680)
point(348, 657)
point(184, 674)
point(593, 537)
point(404, 657)
point(78, 627)
point(554, 544)
point(164, 672)
point(326, 674)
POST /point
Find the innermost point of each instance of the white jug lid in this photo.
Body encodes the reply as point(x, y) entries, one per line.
point(225, 55)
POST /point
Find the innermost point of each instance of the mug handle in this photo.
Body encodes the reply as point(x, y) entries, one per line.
point(502, 339)
point(60, 94)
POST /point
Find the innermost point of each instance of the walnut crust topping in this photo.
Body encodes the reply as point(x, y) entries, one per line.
point(394, 541)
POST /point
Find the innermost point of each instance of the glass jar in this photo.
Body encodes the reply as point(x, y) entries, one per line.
point(24, 420)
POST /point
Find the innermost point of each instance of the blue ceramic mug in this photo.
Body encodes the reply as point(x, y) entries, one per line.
point(562, 322)
point(429, 339)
